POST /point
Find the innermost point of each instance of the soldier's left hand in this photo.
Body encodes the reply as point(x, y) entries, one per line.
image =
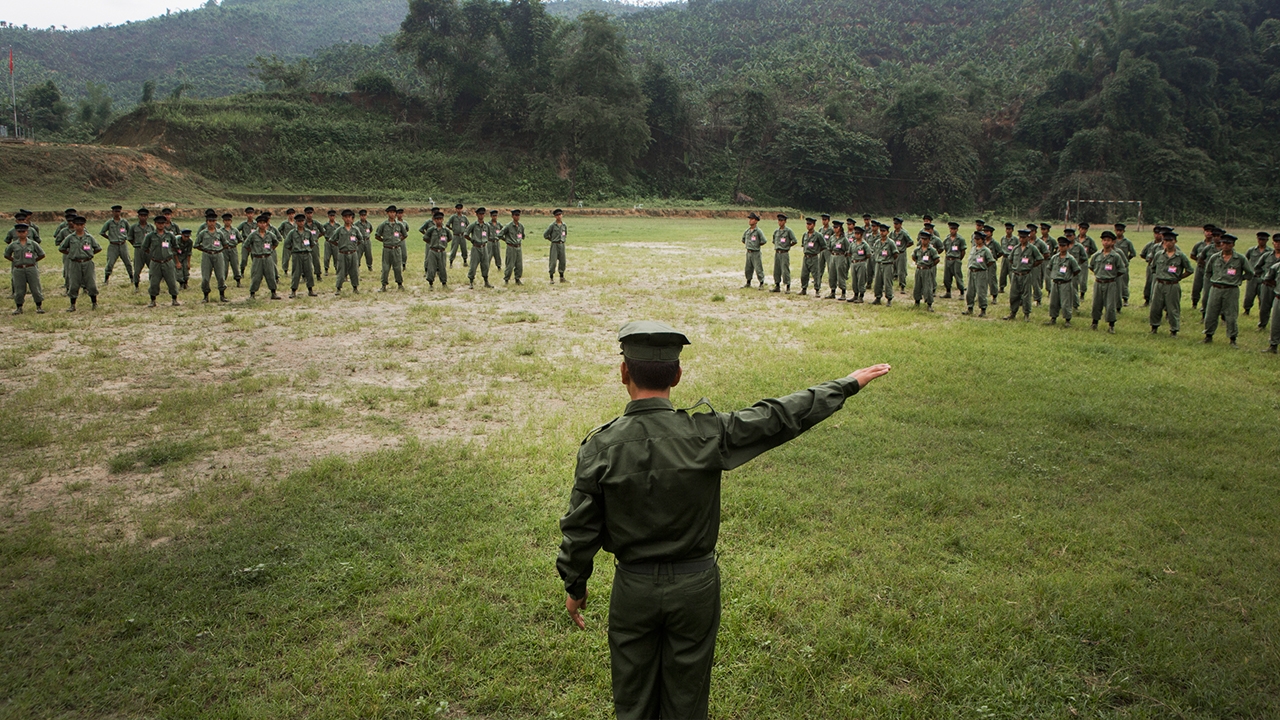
point(575, 608)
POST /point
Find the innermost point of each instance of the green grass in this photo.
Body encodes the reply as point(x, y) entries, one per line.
point(1018, 522)
point(155, 455)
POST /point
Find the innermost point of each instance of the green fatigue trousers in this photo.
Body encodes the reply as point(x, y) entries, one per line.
point(81, 274)
point(782, 268)
point(263, 269)
point(459, 243)
point(1223, 303)
point(859, 280)
point(301, 272)
point(1062, 299)
point(1251, 293)
point(1082, 284)
point(140, 261)
point(1020, 285)
point(1266, 298)
point(1197, 285)
point(662, 642)
point(367, 252)
point(884, 280)
point(1004, 272)
point(66, 272)
point(1124, 286)
point(329, 253)
point(978, 286)
point(214, 264)
point(824, 259)
point(926, 284)
point(1146, 289)
point(900, 270)
point(316, 267)
point(435, 267)
point(1166, 298)
point(1106, 297)
point(479, 259)
point(839, 274)
point(1037, 279)
point(953, 269)
point(232, 258)
point(346, 264)
point(993, 280)
point(162, 270)
point(27, 280)
point(118, 251)
point(515, 262)
point(755, 266)
point(244, 257)
point(1275, 323)
point(555, 258)
point(390, 261)
point(182, 269)
point(810, 267)
point(492, 254)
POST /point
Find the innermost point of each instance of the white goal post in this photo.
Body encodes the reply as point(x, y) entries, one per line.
point(1112, 210)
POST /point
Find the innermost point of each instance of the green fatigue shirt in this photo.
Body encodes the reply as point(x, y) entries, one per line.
point(1150, 250)
point(246, 228)
point(478, 233)
point(261, 245)
point(1172, 268)
point(1090, 246)
point(184, 246)
point(28, 254)
point(298, 241)
point(457, 225)
point(512, 234)
point(210, 241)
point(159, 246)
point(954, 246)
point(981, 259)
point(901, 240)
point(753, 238)
point(317, 231)
point(1081, 255)
point(1269, 275)
point(1043, 247)
point(1126, 248)
point(1022, 259)
point(230, 236)
point(1264, 262)
point(389, 234)
point(784, 239)
point(1201, 251)
point(839, 245)
point(1253, 255)
point(813, 243)
point(886, 252)
point(859, 250)
point(77, 247)
point(32, 234)
point(437, 238)
point(556, 232)
point(1008, 243)
point(1228, 272)
point(997, 252)
point(329, 229)
point(115, 232)
point(495, 229)
point(1108, 265)
point(366, 227)
point(59, 231)
point(925, 256)
point(827, 233)
point(1064, 268)
point(286, 227)
point(670, 511)
point(347, 240)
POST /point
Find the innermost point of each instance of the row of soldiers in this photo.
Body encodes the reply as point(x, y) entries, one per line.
point(257, 249)
point(873, 257)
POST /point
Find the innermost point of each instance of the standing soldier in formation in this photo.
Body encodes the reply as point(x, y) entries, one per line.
point(438, 239)
point(404, 233)
point(262, 246)
point(480, 235)
point(1267, 288)
point(1040, 270)
point(556, 234)
point(861, 258)
point(283, 231)
point(1169, 266)
point(1090, 248)
point(138, 233)
point(902, 241)
point(182, 260)
point(1063, 269)
point(981, 261)
point(348, 243)
point(244, 230)
point(839, 261)
point(159, 249)
point(824, 257)
point(1108, 267)
point(392, 240)
point(79, 247)
point(1007, 244)
point(1224, 272)
point(811, 244)
point(116, 232)
point(1148, 255)
point(211, 242)
point(1252, 256)
point(513, 236)
point(1269, 278)
point(317, 239)
point(1023, 260)
point(1200, 253)
point(21, 218)
point(993, 275)
point(1125, 247)
point(327, 231)
point(297, 250)
point(886, 264)
point(1082, 257)
point(953, 249)
point(458, 225)
point(926, 258)
point(494, 254)
point(366, 230)
point(59, 233)
point(230, 242)
point(24, 275)
point(753, 240)
point(783, 241)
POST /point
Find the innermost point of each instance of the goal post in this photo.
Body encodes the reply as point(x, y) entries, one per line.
point(1104, 211)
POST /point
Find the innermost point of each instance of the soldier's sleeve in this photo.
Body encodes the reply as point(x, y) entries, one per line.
point(8, 251)
point(1247, 267)
point(582, 527)
point(769, 423)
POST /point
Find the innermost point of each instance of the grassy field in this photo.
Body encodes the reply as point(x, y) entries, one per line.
point(346, 507)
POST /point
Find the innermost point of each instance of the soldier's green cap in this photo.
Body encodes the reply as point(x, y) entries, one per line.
point(308, 209)
point(116, 207)
point(1068, 230)
point(227, 216)
point(299, 216)
point(348, 212)
point(837, 223)
point(363, 211)
point(811, 220)
point(953, 224)
point(331, 213)
point(21, 226)
point(515, 212)
point(1108, 235)
point(458, 206)
point(1009, 225)
point(69, 212)
point(80, 220)
point(479, 211)
point(651, 340)
point(782, 216)
point(1228, 238)
point(391, 208)
point(437, 215)
point(1083, 225)
point(1063, 241)
point(1121, 226)
point(557, 211)
point(1046, 226)
point(752, 216)
point(1023, 231)
point(210, 213)
point(826, 215)
point(1264, 235)
point(263, 218)
point(186, 231)
point(923, 234)
point(493, 213)
point(898, 220)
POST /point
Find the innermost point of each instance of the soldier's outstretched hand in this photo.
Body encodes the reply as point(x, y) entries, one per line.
point(575, 608)
point(867, 374)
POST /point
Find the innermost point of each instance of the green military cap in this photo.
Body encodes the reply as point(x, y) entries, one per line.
point(479, 211)
point(210, 214)
point(1264, 235)
point(299, 216)
point(979, 222)
point(1009, 225)
point(923, 234)
point(557, 211)
point(186, 231)
point(953, 224)
point(898, 220)
point(437, 215)
point(782, 216)
point(363, 212)
point(752, 216)
point(160, 220)
point(1121, 226)
point(866, 216)
point(21, 226)
point(348, 213)
point(1046, 226)
point(988, 229)
point(811, 220)
point(263, 218)
point(515, 213)
point(837, 223)
point(1228, 238)
point(927, 218)
point(857, 228)
point(331, 213)
point(249, 210)
point(1169, 232)
point(1023, 231)
point(116, 208)
point(493, 213)
point(651, 340)
point(1107, 234)
point(69, 212)
point(1068, 230)
point(227, 216)
point(80, 220)
point(167, 211)
point(1064, 241)
point(391, 208)
point(458, 206)
point(1083, 225)
point(826, 215)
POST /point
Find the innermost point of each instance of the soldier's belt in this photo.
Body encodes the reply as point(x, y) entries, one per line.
point(159, 262)
point(348, 252)
point(1168, 282)
point(557, 242)
point(1104, 282)
point(113, 242)
point(1062, 282)
point(812, 255)
point(1024, 272)
point(680, 568)
point(750, 250)
point(839, 254)
point(1223, 285)
point(480, 244)
point(436, 249)
point(19, 267)
point(781, 250)
point(84, 260)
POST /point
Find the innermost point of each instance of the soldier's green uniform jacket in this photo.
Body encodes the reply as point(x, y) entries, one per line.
point(184, 246)
point(512, 234)
point(1107, 265)
point(457, 225)
point(298, 241)
point(32, 234)
point(115, 231)
point(859, 249)
point(347, 241)
point(1125, 247)
point(901, 240)
point(366, 227)
point(981, 258)
point(211, 241)
point(1043, 247)
point(1081, 255)
point(1172, 268)
point(784, 239)
point(159, 247)
point(17, 254)
point(925, 256)
point(1228, 272)
point(79, 248)
point(954, 247)
point(753, 238)
point(1023, 259)
point(246, 228)
point(478, 234)
point(813, 243)
point(1090, 246)
point(555, 232)
point(997, 252)
point(389, 234)
point(438, 238)
point(886, 251)
point(1063, 268)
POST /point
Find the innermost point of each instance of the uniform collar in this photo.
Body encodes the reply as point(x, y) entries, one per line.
point(647, 405)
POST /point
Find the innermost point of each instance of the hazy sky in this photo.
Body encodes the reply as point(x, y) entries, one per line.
point(87, 13)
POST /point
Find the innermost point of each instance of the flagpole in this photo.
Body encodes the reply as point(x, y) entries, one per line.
point(13, 94)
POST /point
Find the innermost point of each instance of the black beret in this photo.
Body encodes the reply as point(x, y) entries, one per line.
point(515, 212)
point(1264, 235)
point(308, 209)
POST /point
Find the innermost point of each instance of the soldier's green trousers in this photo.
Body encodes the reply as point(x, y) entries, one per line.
point(1124, 286)
point(781, 268)
point(232, 259)
point(367, 252)
point(1275, 323)
point(755, 266)
point(81, 274)
point(215, 265)
point(140, 261)
point(162, 270)
point(435, 266)
point(1106, 300)
point(458, 243)
point(662, 642)
point(23, 281)
point(1037, 280)
point(1166, 299)
point(993, 282)
point(1197, 286)
point(884, 280)
point(839, 273)
point(118, 251)
point(493, 253)
point(1082, 284)
point(515, 262)
point(263, 270)
point(978, 285)
point(926, 284)
point(1020, 284)
point(329, 253)
point(182, 269)
point(900, 270)
point(810, 267)
point(1146, 289)
point(953, 269)
point(1251, 287)
point(301, 272)
point(244, 257)
point(316, 267)
point(824, 259)
point(859, 280)
point(1266, 298)
point(347, 267)
point(391, 261)
point(1004, 272)
point(1062, 299)
point(479, 259)
point(555, 258)
point(1223, 303)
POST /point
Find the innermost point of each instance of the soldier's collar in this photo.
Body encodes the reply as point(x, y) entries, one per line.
point(648, 405)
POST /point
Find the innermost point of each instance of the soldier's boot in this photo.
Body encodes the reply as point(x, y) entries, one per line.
point(312, 293)
point(1094, 326)
point(948, 295)
point(472, 283)
point(73, 305)
point(431, 285)
point(917, 303)
point(776, 288)
point(561, 278)
point(355, 289)
point(888, 302)
point(40, 310)
point(1271, 349)
point(804, 290)
point(1026, 317)
point(1010, 316)
point(175, 302)
point(400, 287)
point(1262, 326)
point(788, 289)
point(876, 301)
point(1051, 321)
point(930, 307)
point(1066, 323)
point(969, 311)
point(486, 284)
point(292, 294)
point(1246, 310)
point(1111, 328)
point(831, 295)
point(153, 301)
point(1173, 333)
point(17, 310)
point(1233, 342)
point(518, 281)
point(252, 296)
point(982, 313)
point(106, 280)
point(1155, 329)
point(206, 298)
point(222, 296)
point(1207, 339)
point(551, 278)
point(842, 297)
point(384, 288)
point(747, 285)
point(274, 296)
point(135, 288)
